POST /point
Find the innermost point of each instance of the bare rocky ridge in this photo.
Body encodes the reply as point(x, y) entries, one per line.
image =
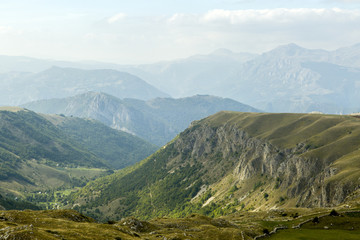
point(304, 179)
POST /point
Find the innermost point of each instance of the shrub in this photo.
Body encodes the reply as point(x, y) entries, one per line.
point(266, 195)
point(334, 213)
point(315, 220)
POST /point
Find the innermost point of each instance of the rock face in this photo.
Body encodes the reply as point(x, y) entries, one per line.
point(303, 178)
point(234, 160)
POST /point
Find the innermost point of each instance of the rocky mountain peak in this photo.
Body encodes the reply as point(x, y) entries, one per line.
point(288, 50)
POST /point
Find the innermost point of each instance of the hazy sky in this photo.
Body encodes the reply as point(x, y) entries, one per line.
point(141, 31)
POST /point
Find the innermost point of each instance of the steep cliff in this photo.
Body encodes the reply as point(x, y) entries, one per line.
point(231, 161)
point(309, 160)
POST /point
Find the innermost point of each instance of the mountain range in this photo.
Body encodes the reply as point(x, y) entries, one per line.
point(157, 120)
point(288, 78)
point(35, 65)
point(18, 88)
point(235, 161)
point(199, 74)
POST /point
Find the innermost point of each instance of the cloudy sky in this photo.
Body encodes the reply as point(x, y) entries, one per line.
point(143, 31)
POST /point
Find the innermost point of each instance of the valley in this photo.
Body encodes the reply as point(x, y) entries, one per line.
point(45, 158)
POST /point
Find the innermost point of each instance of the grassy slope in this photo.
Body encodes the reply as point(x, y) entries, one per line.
point(118, 148)
point(149, 189)
point(26, 135)
point(287, 130)
point(31, 148)
point(69, 224)
point(345, 226)
point(36, 156)
point(16, 204)
point(72, 225)
point(332, 138)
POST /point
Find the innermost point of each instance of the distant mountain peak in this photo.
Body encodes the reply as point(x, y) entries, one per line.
point(54, 69)
point(290, 49)
point(293, 45)
point(290, 46)
point(94, 93)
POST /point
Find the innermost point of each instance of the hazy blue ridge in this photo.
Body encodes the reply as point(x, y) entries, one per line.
point(157, 120)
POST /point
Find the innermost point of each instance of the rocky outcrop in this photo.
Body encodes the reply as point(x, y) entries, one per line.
point(303, 178)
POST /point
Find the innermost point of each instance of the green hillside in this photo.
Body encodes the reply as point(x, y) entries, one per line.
point(232, 161)
point(16, 204)
point(35, 155)
point(44, 158)
point(118, 148)
point(27, 135)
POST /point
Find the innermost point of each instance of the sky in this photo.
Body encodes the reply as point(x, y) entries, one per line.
point(144, 31)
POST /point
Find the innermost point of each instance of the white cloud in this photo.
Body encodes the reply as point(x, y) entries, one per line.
point(259, 30)
point(116, 18)
point(252, 30)
point(183, 34)
point(280, 15)
point(176, 17)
